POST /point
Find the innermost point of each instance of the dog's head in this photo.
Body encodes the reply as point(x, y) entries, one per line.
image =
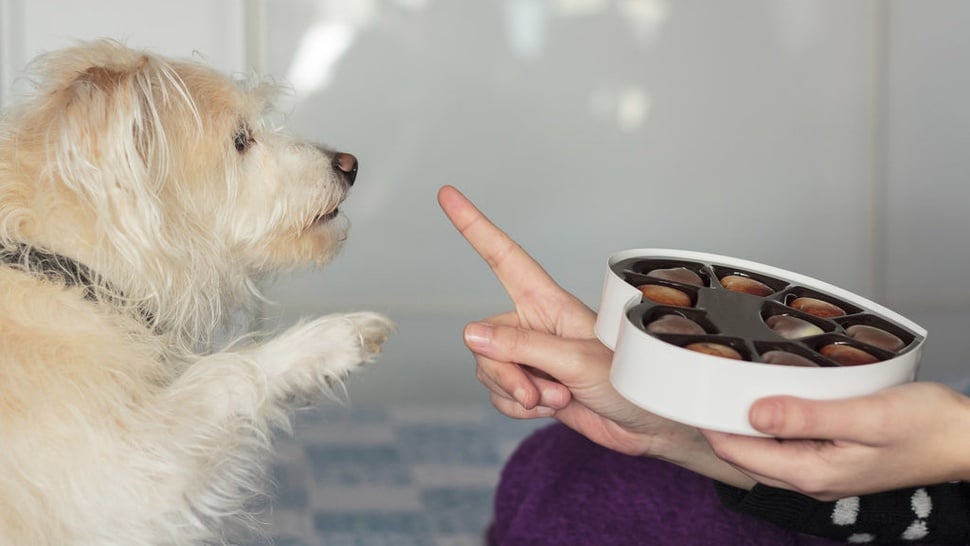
point(162, 176)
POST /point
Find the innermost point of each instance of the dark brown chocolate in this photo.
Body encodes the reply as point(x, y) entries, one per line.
point(674, 324)
point(847, 355)
point(817, 307)
point(677, 274)
point(665, 295)
point(877, 337)
point(714, 349)
point(785, 358)
point(747, 285)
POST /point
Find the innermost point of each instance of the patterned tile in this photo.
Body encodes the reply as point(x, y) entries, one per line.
point(390, 476)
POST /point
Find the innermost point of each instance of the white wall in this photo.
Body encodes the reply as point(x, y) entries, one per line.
point(824, 137)
point(213, 30)
point(928, 153)
point(927, 169)
point(704, 125)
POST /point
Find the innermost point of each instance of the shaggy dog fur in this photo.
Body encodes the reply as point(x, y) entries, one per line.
point(140, 201)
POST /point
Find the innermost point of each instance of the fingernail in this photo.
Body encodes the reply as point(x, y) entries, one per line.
point(543, 411)
point(552, 397)
point(766, 416)
point(478, 333)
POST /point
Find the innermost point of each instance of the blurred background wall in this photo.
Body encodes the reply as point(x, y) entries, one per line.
point(826, 137)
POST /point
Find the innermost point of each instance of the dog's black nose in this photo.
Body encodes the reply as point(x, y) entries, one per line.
point(347, 164)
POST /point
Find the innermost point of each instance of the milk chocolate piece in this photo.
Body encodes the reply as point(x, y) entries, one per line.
point(746, 285)
point(665, 295)
point(677, 274)
point(847, 355)
point(876, 337)
point(790, 327)
point(817, 307)
point(714, 349)
point(674, 324)
point(784, 358)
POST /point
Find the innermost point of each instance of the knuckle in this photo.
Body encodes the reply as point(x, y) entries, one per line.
point(501, 404)
point(503, 376)
point(509, 408)
point(505, 342)
point(801, 420)
point(587, 358)
point(514, 339)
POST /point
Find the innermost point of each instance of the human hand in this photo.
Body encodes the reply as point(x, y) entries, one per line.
point(543, 359)
point(909, 435)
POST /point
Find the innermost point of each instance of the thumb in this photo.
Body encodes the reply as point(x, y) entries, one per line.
point(568, 360)
point(860, 419)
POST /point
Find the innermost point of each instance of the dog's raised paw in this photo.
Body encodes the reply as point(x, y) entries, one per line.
point(332, 345)
point(373, 330)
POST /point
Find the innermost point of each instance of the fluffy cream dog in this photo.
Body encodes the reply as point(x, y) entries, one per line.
point(140, 199)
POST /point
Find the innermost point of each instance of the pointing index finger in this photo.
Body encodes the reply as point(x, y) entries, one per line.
point(513, 267)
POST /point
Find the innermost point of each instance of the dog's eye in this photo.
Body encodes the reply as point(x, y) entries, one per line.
point(243, 139)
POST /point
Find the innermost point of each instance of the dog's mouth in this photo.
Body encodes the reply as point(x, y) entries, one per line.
point(326, 217)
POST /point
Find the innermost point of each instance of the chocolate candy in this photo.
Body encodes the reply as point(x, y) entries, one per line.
point(665, 295)
point(847, 355)
point(790, 327)
point(677, 274)
point(747, 285)
point(747, 315)
point(817, 307)
point(785, 358)
point(674, 324)
point(876, 337)
point(714, 349)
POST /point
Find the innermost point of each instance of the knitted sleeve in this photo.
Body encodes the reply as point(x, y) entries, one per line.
point(937, 514)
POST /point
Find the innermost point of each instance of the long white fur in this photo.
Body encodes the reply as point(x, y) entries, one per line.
point(119, 424)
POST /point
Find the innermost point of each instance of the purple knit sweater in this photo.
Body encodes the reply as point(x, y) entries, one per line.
point(559, 488)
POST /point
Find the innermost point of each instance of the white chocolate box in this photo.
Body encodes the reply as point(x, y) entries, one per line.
point(656, 373)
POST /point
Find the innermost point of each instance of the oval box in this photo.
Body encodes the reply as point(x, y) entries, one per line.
point(823, 342)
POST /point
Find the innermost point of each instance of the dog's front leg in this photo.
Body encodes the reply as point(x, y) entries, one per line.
point(219, 412)
point(298, 365)
point(313, 357)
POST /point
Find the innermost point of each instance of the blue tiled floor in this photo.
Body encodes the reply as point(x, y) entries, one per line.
point(390, 476)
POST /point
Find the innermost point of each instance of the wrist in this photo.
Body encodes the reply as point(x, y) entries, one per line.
point(960, 440)
point(687, 448)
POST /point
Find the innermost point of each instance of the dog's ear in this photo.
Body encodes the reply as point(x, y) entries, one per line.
point(107, 139)
point(108, 132)
point(99, 77)
point(119, 102)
